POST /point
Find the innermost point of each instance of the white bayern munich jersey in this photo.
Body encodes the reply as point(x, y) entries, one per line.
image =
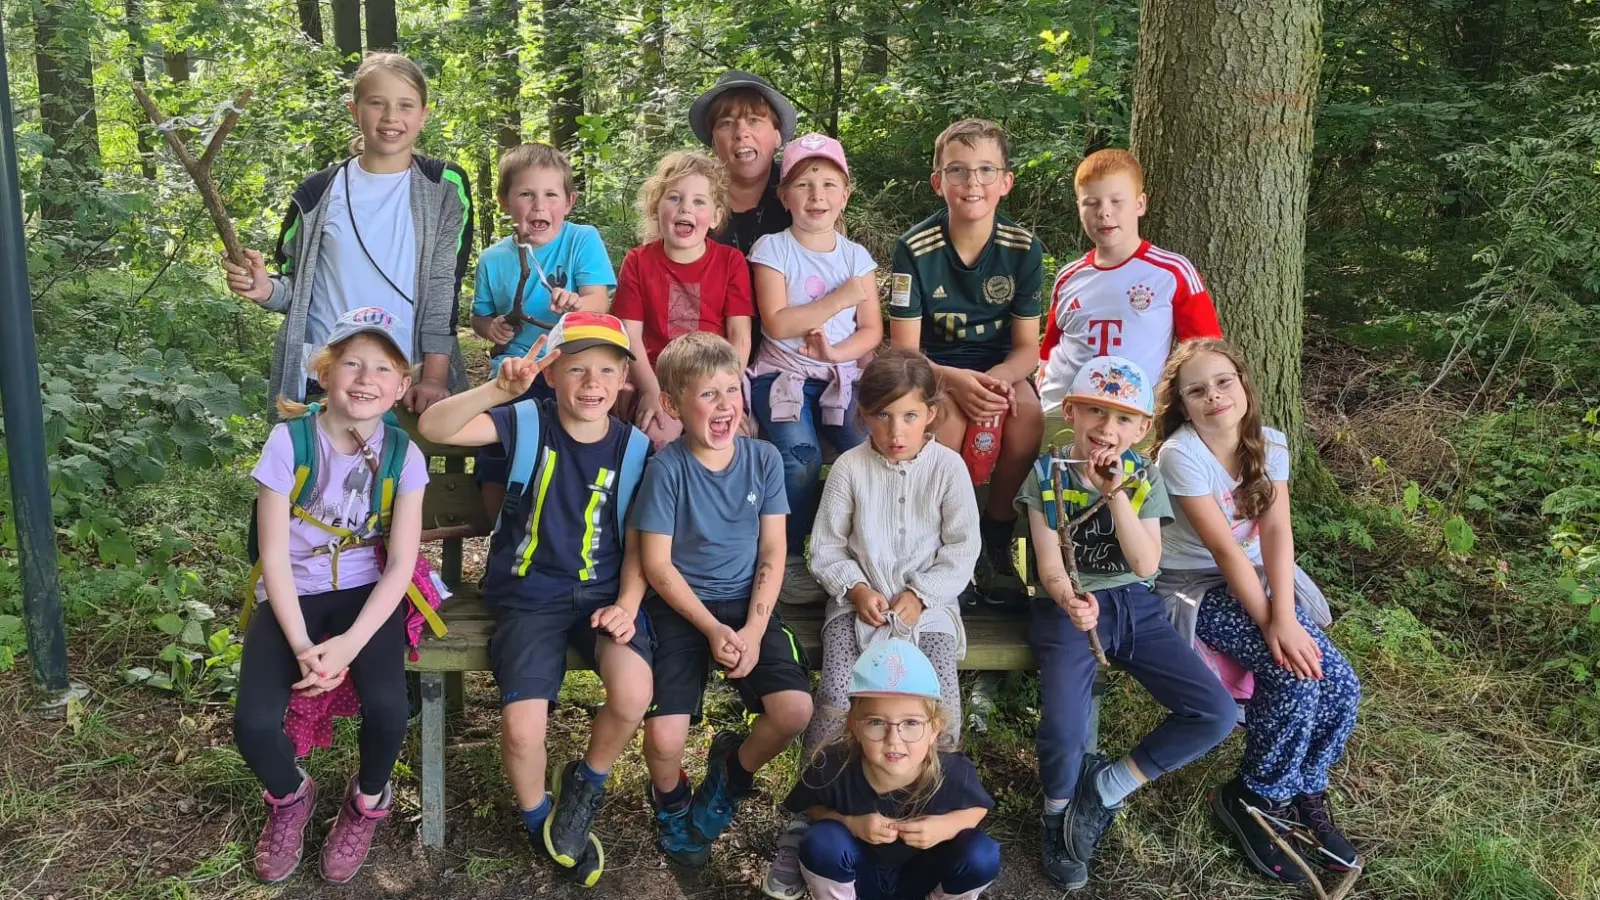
point(1136, 309)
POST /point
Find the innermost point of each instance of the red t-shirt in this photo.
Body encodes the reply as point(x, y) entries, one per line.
point(673, 299)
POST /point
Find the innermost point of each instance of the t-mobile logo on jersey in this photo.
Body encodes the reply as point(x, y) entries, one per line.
point(1105, 336)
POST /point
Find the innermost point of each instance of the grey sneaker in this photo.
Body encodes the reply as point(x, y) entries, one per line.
point(799, 588)
point(784, 881)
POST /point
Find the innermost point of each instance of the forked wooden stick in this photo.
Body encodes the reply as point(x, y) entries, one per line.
point(1064, 530)
point(1340, 891)
point(200, 169)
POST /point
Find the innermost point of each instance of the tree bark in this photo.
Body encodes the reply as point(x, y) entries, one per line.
point(65, 69)
point(383, 30)
point(347, 33)
point(652, 70)
point(506, 69)
point(875, 32)
point(1222, 120)
point(133, 22)
point(563, 59)
point(311, 20)
point(176, 64)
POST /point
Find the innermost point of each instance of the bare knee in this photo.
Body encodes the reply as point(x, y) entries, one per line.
point(522, 727)
point(788, 711)
point(664, 739)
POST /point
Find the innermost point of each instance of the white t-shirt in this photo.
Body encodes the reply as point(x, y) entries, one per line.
point(345, 278)
point(811, 275)
point(1135, 309)
point(1190, 470)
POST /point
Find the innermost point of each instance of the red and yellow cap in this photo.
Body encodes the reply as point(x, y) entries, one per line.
point(579, 331)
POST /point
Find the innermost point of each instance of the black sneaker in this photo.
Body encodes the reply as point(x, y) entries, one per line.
point(995, 582)
point(591, 863)
point(1333, 851)
point(566, 829)
point(1231, 804)
point(1059, 866)
point(1087, 817)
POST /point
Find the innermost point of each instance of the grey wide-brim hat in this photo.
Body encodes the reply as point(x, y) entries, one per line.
point(700, 110)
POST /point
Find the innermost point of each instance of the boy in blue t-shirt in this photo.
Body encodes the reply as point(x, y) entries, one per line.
point(710, 525)
point(559, 573)
point(568, 270)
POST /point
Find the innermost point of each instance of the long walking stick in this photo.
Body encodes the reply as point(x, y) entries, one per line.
point(1064, 529)
point(200, 169)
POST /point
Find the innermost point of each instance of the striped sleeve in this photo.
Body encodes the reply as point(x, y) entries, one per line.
point(1193, 313)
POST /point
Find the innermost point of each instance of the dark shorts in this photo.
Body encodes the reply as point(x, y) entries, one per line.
point(528, 650)
point(494, 466)
point(683, 659)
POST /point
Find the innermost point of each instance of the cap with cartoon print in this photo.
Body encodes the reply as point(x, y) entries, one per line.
point(1114, 381)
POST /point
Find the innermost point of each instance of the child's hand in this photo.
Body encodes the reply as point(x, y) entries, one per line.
point(332, 655)
point(311, 683)
point(1103, 471)
point(647, 411)
point(250, 282)
point(615, 621)
point(751, 636)
point(1294, 649)
point(564, 301)
point(1084, 611)
point(817, 347)
point(500, 331)
point(424, 394)
point(907, 606)
point(923, 832)
point(873, 828)
point(726, 646)
point(981, 397)
point(517, 373)
point(870, 605)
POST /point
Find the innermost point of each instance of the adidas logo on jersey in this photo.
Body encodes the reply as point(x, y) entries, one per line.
point(938, 293)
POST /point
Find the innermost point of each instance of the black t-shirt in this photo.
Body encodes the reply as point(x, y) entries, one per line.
point(565, 530)
point(768, 216)
point(836, 781)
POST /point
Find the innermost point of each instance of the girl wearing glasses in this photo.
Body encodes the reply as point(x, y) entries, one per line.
point(892, 817)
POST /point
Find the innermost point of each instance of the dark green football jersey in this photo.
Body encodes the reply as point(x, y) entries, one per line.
point(966, 311)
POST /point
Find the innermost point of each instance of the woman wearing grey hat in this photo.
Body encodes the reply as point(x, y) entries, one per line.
point(744, 120)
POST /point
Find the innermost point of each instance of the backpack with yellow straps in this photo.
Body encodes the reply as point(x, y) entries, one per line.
point(385, 468)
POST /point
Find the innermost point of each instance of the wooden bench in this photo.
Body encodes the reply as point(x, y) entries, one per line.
point(453, 511)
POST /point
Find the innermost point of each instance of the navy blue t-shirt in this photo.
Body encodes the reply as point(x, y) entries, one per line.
point(835, 780)
point(565, 531)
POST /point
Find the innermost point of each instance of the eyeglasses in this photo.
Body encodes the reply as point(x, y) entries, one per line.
point(876, 730)
point(1222, 384)
point(984, 175)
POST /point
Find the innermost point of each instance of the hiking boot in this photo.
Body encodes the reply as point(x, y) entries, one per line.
point(351, 836)
point(673, 834)
point(784, 881)
point(566, 829)
point(1231, 803)
point(714, 804)
point(1333, 851)
point(283, 837)
point(1059, 866)
point(1087, 817)
point(995, 582)
point(799, 588)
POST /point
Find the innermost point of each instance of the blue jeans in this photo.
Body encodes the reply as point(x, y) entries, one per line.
point(1138, 637)
point(966, 862)
point(800, 445)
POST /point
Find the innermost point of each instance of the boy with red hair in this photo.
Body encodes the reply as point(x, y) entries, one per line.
point(1126, 296)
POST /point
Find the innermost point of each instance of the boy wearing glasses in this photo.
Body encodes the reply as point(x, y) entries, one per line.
point(1126, 296)
point(965, 290)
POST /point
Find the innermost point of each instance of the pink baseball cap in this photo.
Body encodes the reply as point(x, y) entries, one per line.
point(812, 146)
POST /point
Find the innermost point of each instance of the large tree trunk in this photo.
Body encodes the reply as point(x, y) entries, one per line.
point(383, 31)
point(563, 60)
point(311, 20)
point(506, 71)
point(1222, 121)
point(875, 32)
point(652, 70)
point(133, 22)
point(65, 69)
point(347, 33)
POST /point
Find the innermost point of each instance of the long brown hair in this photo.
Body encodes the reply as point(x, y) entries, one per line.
point(929, 779)
point(1255, 492)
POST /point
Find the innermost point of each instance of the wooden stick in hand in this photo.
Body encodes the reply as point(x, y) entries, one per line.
point(200, 169)
point(1064, 530)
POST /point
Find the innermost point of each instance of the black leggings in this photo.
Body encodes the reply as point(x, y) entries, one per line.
point(268, 670)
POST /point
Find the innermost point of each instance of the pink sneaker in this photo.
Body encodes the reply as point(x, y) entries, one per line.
point(351, 836)
point(283, 838)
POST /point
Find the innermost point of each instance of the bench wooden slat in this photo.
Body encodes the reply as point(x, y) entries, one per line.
point(452, 498)
point(996, 641)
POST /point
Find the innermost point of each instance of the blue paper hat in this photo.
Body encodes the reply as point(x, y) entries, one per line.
point(894, 668)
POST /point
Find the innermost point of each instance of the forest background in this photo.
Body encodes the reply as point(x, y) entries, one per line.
point(1451, 358)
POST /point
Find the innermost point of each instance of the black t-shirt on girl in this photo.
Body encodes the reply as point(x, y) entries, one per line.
point(836, 781)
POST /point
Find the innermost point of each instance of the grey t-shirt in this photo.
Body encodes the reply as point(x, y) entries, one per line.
point(714, 517)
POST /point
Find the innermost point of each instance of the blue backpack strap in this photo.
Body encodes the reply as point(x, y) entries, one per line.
point(303, 437)
point(628, 476)
point(524, 455)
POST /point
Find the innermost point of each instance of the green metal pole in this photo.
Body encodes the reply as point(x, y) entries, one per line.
point(24, 418)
